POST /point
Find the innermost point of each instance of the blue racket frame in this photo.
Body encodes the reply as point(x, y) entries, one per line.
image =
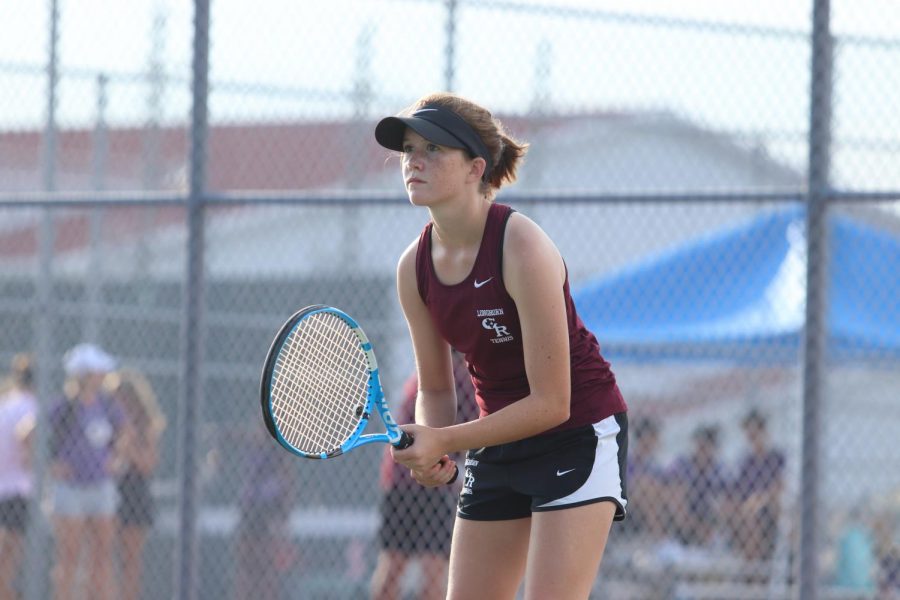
point(375, 401)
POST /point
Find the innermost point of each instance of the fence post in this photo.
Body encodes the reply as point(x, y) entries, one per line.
point(816, 276)
point(192, 329)
point(94, 284)
point(450, 47)
point(37, 584)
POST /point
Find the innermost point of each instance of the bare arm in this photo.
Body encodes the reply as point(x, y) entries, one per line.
point(138, 450)
point(146, 457)
point(24, 432)
point(436, 401)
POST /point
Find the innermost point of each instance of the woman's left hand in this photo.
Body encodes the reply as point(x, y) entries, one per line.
point(437, 474)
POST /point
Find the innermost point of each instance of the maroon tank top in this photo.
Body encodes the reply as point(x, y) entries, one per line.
point(479, 318)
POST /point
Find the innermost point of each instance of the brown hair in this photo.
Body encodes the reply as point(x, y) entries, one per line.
point(22, 369)
point(506, 152)
point(21, 373)
point(138, 400)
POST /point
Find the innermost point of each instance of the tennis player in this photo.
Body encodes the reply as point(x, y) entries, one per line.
point(544, 473)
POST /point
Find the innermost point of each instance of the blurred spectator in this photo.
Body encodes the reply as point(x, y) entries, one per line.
point(698, 483)
point(887, 546)
point(18, 411)
point(263, 551)
point(756, 491)
point(136, 457)
point(889, 573)
point(647, 515)
point(416, 522)
point(84, 426)
point(855, 568)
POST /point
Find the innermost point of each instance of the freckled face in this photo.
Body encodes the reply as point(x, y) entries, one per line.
point(432, 173)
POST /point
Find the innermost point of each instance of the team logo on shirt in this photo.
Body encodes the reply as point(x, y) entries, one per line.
point(489, 321)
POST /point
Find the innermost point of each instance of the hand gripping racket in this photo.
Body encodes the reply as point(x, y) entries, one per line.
point(320, 385)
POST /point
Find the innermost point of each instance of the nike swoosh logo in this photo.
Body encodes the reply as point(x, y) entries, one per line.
point(561, 473)
point(478, 284)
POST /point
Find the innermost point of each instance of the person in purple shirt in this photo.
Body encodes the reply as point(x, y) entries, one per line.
point(646, 474)
point(698, 482)
point(756, 491)
point(84, 426)
point(268, 493)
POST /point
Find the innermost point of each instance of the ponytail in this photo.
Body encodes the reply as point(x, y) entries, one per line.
point(505, 151)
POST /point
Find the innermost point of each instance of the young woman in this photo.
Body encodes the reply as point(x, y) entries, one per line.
point(137, 456)
point(84, 427)
point(544, 472)
point(18, 414)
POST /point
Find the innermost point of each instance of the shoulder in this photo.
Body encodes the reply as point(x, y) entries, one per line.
point(521, 229)
point(407, 261)
point(406, 272)
point(408, 284)
point(17, 402)
point(530, 258)
point(525, 240)
point(26, 405)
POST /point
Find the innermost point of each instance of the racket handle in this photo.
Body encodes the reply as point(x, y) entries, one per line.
point(405, 441)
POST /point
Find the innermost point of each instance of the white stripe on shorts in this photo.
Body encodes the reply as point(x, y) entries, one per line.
point(605, 480)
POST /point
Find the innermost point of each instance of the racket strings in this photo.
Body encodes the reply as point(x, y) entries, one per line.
point(320, 384)
point(318, 391)
point(326, 356)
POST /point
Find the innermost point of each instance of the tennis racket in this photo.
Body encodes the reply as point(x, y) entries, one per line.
point(320, 386)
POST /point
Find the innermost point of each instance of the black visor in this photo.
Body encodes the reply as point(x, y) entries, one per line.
point(436, 124)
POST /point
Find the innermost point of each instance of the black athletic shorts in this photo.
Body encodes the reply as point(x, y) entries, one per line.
point(416, 520)
point(136, 507)
point(548, 472)
point(14, 513)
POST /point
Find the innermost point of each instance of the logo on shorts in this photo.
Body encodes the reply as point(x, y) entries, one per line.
point(561, 473)
point(468, 482)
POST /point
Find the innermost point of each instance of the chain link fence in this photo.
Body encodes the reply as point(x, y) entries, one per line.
point(721, 181)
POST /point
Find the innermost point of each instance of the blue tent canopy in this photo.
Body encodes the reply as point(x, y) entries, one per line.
point(739, 295)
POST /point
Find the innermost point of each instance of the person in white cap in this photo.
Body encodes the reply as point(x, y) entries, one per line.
point(84, 426)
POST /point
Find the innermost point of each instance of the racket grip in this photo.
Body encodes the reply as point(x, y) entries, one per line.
point(405, 441)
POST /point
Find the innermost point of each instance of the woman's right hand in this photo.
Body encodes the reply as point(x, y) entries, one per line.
point(426, 461)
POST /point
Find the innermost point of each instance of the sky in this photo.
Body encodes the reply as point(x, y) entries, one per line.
point(729, 65)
